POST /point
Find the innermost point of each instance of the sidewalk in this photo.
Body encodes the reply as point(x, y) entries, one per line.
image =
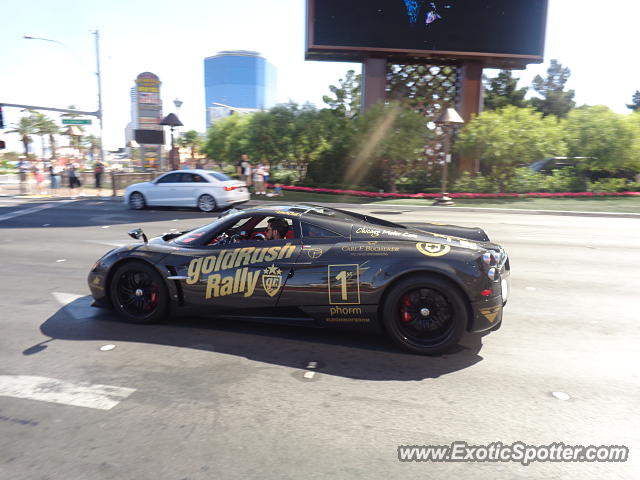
point(13, 190)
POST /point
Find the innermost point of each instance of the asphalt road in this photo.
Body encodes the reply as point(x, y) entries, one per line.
point(215, 399)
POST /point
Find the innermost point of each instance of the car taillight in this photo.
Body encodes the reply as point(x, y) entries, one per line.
point(228, 189)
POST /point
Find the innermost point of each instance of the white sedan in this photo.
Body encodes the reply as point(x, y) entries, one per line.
point(204, 189)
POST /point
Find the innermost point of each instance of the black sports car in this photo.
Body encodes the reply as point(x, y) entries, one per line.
point(317, 266)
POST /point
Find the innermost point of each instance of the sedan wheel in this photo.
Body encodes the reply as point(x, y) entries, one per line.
point(206, 203)
point(136, 201)
point(138, 293)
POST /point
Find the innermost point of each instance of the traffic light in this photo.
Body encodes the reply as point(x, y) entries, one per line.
point(1, 119)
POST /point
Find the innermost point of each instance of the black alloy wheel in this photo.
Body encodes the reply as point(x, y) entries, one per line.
point(138, 293)
point(425, 314)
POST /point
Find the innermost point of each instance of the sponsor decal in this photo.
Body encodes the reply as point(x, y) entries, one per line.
point(490, 313)
point(234, 258)
point(433, 249)
point(271, 280)
point(343, 284)
point(345, 311)
point(392, 233)
point(369, 231)
point(313, 252)
point(292, 214)
point(372, 248)
point(347, 320)
point(241, 281)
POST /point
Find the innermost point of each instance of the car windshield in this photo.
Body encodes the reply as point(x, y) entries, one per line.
point(192, 235)
point(218, 176)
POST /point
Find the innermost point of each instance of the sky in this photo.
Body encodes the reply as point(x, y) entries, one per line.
point(598, 41)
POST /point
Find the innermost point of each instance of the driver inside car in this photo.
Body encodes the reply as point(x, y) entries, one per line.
point(276, 228)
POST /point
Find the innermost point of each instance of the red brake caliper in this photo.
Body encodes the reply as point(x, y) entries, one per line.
point(153, 297)
point(406, 302)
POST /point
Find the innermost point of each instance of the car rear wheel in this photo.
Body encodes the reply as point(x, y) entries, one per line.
point(206, 203)
point(136, 201)
point(138, 293)
point(425, 314)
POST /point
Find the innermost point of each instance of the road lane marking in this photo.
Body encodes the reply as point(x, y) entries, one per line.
point(44, 389)
point(27, 211)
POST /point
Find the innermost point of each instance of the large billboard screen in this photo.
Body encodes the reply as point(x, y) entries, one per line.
point(492, 31)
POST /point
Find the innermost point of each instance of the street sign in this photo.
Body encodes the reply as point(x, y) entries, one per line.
point(76, 121)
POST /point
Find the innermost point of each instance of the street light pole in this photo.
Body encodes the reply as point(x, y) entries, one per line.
point(97, 34)
point(447, 119)
point(99, 112)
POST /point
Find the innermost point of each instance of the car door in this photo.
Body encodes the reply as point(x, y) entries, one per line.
point(189, 188)
point(317, 278)
point(235, 277)
point(163, 192)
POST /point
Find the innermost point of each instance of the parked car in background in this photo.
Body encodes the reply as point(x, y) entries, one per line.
point(204, 189)
point(547, 165)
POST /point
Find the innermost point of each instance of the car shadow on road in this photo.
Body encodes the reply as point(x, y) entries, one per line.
point(345, 354)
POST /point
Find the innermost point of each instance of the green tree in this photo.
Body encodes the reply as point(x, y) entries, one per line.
point(503, 90)
point(635, 102)
point(92, 145)
point(509, 137)
point(601, 135)
point(227, 139)
point(633, 122)
point(388, 144)
point(554, 100)
point(25, 128)
point(346, 96)
point(192, 140)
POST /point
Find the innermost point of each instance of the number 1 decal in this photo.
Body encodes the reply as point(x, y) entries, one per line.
point(344, 284)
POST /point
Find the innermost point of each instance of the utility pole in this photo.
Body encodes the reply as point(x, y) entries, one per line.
point(97, 34)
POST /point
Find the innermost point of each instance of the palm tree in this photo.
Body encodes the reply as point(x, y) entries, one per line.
point(93, 143)
point(75, 139)
point(25, 128)
point(45, 127)
point(192, 140)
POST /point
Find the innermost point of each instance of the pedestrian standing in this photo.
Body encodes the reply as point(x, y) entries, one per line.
point(73, 177)
point(258, 179)
point(246, 170)
point(54, 177)
point(98, 170)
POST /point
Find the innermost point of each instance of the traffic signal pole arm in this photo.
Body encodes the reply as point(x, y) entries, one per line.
point(63, 110)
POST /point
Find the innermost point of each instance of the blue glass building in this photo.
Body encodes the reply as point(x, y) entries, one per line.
point(241, 80)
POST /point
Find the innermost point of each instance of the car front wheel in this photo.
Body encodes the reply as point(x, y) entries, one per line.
point(425, 314)
point(206, 203)
point(138, 293)
point(136, 201)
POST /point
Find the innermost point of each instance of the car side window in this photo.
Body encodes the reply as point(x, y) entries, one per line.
point(193, 178)
point(309, 230)
point(170, 178)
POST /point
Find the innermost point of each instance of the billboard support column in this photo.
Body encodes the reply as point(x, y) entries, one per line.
point(374, 74)
point(469, 104)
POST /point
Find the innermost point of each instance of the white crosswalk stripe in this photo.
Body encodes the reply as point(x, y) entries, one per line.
point(101, 397)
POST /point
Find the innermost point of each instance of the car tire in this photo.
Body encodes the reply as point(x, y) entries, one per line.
point(206, 203)
point(137, 201)
point(425, 314)
point(138, 293)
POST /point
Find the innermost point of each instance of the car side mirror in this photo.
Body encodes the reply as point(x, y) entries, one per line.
point(137, 233)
